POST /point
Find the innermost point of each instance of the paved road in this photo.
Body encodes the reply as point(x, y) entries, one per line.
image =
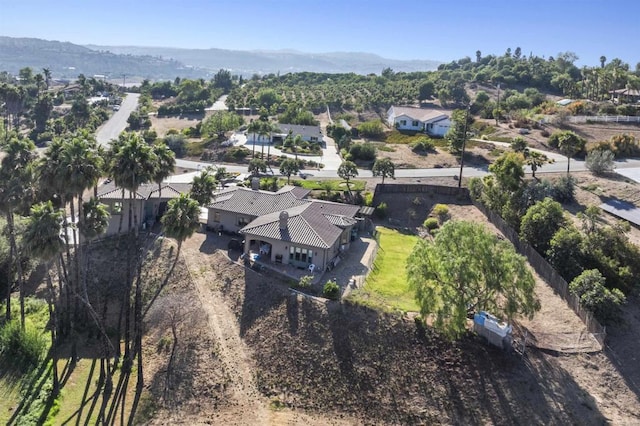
point(118, 122)
point(219, 105)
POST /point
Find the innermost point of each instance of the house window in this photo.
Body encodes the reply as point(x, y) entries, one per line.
point(242, 221)
point(313, 139)
point(216, 216)
point(403, 122)
point(414, 123)
point(116, 208)
point(300, 254)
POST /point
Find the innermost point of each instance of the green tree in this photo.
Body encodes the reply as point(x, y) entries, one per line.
point(467, 268)
point(181, 219)
point(289, 167)
point(535, 160)
point(42, 239)
point(384, 167)
point(165, 163)
point(347, 171)
point(203, 187)
point(568, 143)
point(257, 166)
point(426, 91)
point(222, 80)
point(541, 222)
point(508, 170)
point(17, 191)
point(565, 252)
point(457, 133)
point(605, 303)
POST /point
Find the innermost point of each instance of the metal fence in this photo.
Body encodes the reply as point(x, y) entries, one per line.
point(548, 273)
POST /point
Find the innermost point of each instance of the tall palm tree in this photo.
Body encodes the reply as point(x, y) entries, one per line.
point(47, 76)
point(133, 163)
point(166, 161)
point(181, 219)
point(80, 169)
point(17, 179)
point(203, 187)
point(43, 239)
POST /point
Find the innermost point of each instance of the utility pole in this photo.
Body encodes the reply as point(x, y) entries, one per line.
point(464, 142)
point(124, 82)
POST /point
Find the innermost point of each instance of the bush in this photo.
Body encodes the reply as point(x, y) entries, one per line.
point(305, 282)
point(600, 161)
point(371, 129)
point(331, 290)
point(368, 199)
point(236, 153)
point(381, 210)
point(176, 143)
point(362, 151)
point(422, 146)
point(430, 223)
point(564, 189)
point(441, 211)
point(594, 296)
point(23, 349)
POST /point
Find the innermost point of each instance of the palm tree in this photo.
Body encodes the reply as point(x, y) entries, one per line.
point(17, 179)
point(133, 163)
point(166, 161)
point(80, 169)
point(254, 129)
point(43, 239)
point(203, 188)
point(47, 76)
point(181, 219)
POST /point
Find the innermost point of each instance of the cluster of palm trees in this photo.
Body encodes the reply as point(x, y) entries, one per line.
point(50, 191)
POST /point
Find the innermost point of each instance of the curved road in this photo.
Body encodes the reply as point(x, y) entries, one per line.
point(118, 121)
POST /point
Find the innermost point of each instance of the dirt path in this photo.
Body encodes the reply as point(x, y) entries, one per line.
point(248, 406)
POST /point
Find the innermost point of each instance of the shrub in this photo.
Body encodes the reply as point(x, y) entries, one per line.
point(305, 282)
point(441, 211)
point(362, 151)
point(19, 348)
point(600, 161)
point(422, 145)
point(430, 223)
point(236, 153)
point(176, 143)
point(603, 302)
point(331, 290)
point(368, 199)
point(371, 129)
point(564, 189)
point(381, 210)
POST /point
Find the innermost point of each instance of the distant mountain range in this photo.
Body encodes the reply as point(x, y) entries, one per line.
point(68, 60)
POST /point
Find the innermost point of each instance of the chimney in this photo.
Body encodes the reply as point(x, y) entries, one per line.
point(284, 218)
point(255, 183)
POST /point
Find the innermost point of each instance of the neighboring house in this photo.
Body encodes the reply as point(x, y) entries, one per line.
point(627, 95)
point(148, 203)
point(284, 227)
point(308, 133)
point(430, 121)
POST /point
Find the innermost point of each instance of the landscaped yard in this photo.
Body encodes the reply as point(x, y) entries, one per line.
point(320, 185)
point(387, 284)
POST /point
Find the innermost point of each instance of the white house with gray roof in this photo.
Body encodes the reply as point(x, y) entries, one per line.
point(284, 227)
point(430, 121)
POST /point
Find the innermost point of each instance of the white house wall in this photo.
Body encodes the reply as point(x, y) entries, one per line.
point(409, 123)
point(440, 128)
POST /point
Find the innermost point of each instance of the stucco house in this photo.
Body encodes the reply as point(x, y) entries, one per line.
point(430, 121)
point(148, 203)
point(285, 227)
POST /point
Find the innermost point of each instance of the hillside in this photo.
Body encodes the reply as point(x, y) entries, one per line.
point(68, 60)
point(278, 61)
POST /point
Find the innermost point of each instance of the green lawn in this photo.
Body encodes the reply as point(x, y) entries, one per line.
point(319, 185)
point(387, 286)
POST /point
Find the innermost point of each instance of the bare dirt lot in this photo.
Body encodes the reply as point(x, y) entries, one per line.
point(266, 356)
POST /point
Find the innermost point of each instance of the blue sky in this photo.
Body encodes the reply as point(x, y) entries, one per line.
point(408, 29)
